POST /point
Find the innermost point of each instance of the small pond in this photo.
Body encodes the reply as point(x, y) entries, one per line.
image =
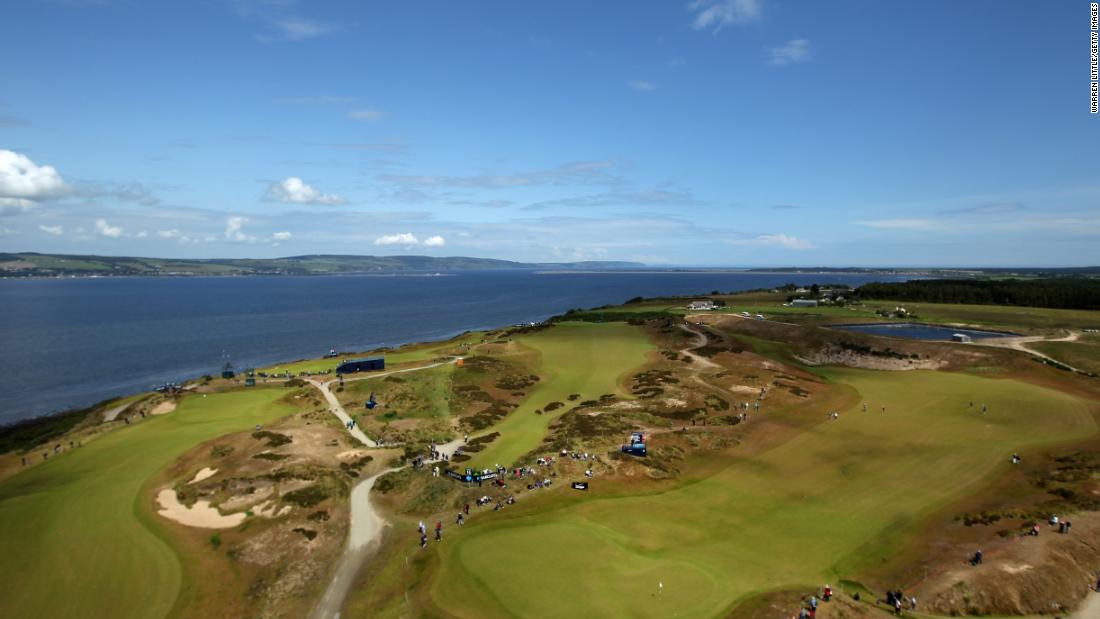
point(916, 331)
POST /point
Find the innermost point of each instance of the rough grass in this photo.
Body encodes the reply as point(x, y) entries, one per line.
point(78, 533)
point(575, 358)
point(1084, 354)
point(826, 504)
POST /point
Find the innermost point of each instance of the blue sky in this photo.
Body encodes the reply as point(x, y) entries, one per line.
point(683, 132)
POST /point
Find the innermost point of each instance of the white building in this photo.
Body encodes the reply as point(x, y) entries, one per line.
point(701, 305)
point(804, 303)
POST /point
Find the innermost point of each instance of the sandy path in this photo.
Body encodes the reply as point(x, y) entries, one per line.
point(698, 361)
point(1020, 343)
point(338, 409)
point(363, 539)
point(1090, 607)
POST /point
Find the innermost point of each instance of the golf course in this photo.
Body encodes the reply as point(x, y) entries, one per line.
point(78, 533)
point(819, 507)
point(765, 475)
point(585, 359)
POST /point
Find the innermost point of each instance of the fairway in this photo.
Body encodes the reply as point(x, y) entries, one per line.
point(825, 504)
point(76, 533)
point(587, 359)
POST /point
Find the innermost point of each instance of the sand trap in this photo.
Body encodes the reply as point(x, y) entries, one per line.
point(164, 408)
point(204, 473)
point(246, 501)
point(350, 454)
point(202, 515)
point(744, 389)
point(268, 510)
point(1015, 569)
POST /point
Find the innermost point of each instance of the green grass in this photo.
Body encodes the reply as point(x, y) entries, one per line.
point(1025, 319)
point(422, 394)
point(1083, 354)
point(582, 358)
point(407, 354)
point(77, 535)
point(828, 503)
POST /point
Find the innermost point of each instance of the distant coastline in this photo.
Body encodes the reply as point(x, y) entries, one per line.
point(36, 265)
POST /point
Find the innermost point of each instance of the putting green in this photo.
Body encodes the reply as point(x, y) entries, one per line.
point(587, 359)
point(77, 536)
point(825, 504)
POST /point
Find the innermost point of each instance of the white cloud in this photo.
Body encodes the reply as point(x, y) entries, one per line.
point(298, 28)
point(281, 236)
point(721, 13)
point(642, 86)
point(435, 241)
point(106, 230)
point(406, 239)
point(775, 240)
point(296, 191)
point(23, 179)
point(369, 115)
point(233, 230)
point(141, 235)
point(168, 234)
point(791, 52)
point(898, 224)
point(54, 230)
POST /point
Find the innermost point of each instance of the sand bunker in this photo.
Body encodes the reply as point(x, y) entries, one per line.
point(164, 408)
point(201, 515)
point(1015, 569)
point(269, 509)
point(204, 473)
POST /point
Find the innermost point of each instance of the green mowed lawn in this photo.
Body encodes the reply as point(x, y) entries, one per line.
point(77, 536)
point(587, 359)
point(829, 503)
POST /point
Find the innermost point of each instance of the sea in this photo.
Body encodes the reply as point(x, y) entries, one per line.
point(70, 343)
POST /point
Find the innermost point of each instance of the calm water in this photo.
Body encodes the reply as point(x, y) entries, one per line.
point(914, 331)
point(73, 342)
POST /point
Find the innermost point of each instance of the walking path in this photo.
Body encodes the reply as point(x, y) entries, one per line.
point(338, 409)
point(366, 523)
point(363, 538)
point(1090, 607)
point(1019, 343)
point(698, 361)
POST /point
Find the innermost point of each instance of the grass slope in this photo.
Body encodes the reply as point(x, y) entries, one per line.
point(574, 357)
point(1083, 354)
point(825, 504)
point(77, 533)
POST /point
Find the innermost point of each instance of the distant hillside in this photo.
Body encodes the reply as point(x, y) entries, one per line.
point(32, 264)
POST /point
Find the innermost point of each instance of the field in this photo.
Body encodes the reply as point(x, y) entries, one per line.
point(77, 533)
point(405, 354)
point(574, 358)
point(826, 504)
point(1019, 319)
point(1083, 354)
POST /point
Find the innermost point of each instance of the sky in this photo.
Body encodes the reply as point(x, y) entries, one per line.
point(675, 132)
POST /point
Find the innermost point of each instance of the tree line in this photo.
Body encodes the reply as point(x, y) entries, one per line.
point(1061, 292)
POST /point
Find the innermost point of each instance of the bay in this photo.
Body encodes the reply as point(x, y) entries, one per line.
point(68, 343)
